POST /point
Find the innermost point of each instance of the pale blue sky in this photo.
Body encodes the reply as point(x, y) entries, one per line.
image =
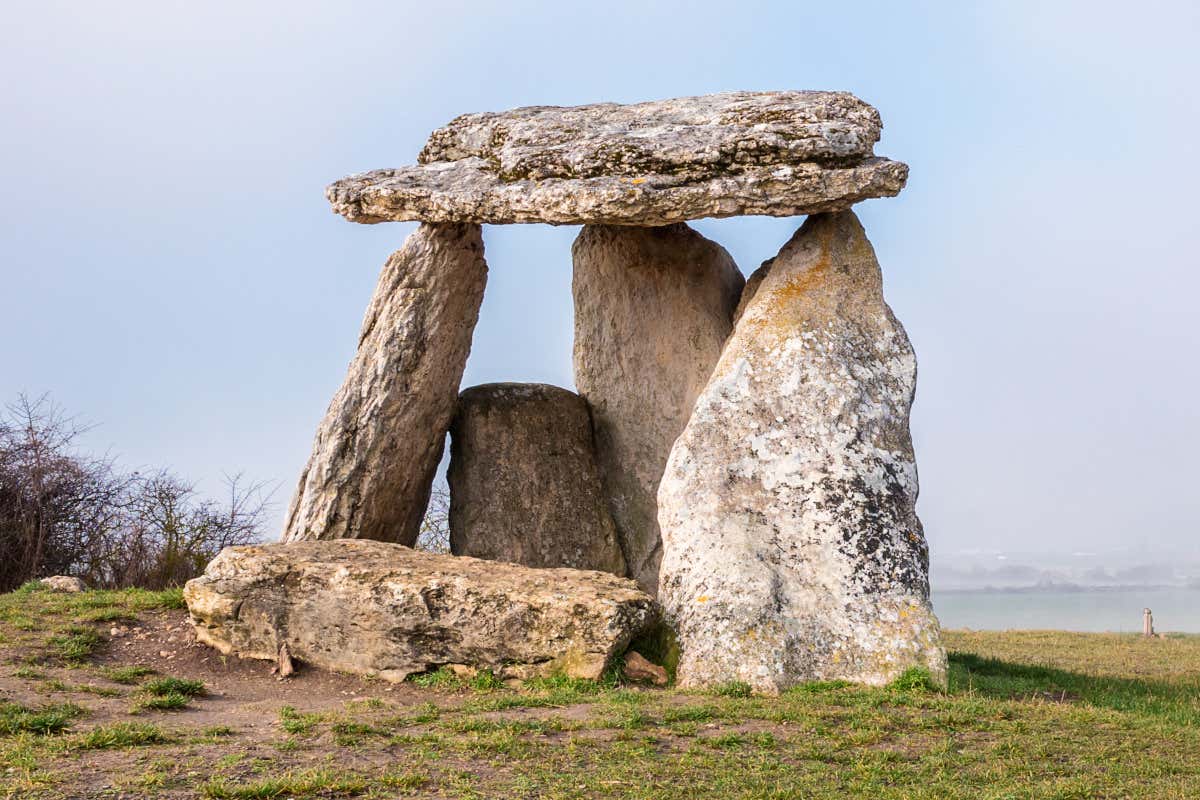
point(171, 269)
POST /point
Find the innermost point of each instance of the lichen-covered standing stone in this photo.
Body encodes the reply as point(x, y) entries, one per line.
point(652, 311)
point(524, 486)
point(791, 546)
point(377, 449)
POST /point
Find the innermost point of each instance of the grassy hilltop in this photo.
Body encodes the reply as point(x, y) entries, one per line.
point(103, 694)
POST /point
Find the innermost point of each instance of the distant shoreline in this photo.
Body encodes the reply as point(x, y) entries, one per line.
point(1049, 588)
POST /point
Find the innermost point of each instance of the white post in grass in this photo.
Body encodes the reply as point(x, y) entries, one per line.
point(1147, 622)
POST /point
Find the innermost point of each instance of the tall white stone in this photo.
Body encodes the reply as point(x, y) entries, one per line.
point(792, 551)
point(377, 449)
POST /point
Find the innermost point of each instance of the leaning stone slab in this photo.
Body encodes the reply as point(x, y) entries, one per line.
point(524, 485)
point(652, 311)
point(774, 153)
point(376, 451)
point(792, 551)
point(375, 608)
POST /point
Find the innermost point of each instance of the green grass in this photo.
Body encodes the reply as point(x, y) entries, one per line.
point(16, 718)
point(168, 694)
point(56, 685)
point(484, 681)
point(76, 644)
point(119, 735)
point(295, 723)
point(733, 689)
point(127, 675)
point(29, 674)
point(171, 701)
point(1025, 715)
point(914, 679)
point(441, 678)
point(180, 686)
point(309, 783)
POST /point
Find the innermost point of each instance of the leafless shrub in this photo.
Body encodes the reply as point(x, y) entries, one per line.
point(435, 527)
point(64, 512)
point(166, 533)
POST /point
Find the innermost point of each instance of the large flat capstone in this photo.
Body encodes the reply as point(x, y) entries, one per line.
point(375, 608)
point(772, 153)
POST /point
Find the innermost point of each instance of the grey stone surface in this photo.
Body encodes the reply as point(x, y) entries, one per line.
point(524, 486)
point(696, 137)
point(376, 450)
point(652, 311)
point(777, 153)
point(375, 608)
point(791, 546)
point(63, 583)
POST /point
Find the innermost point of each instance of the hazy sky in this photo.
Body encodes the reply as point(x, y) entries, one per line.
point(172, 271)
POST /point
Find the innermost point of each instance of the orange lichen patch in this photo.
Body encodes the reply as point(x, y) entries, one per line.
point(784, 307)
point(636, 181)
point(702, 598)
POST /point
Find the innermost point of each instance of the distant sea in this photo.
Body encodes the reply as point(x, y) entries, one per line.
point(1085, 609)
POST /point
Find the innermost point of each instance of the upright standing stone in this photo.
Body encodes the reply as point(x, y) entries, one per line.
point(377, 449)
point(524, 486)
point(652, 311)
point(792, 548)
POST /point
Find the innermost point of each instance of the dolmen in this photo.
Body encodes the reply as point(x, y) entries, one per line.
point(737, 454)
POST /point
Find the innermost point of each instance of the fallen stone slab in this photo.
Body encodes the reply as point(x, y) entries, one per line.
point(772, 153)
point(652, 312)
point(524, 485)
point(382, 609)
point(792, 550)
point(375, 452)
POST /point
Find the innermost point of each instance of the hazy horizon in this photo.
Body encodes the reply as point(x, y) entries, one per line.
point(174, 274)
